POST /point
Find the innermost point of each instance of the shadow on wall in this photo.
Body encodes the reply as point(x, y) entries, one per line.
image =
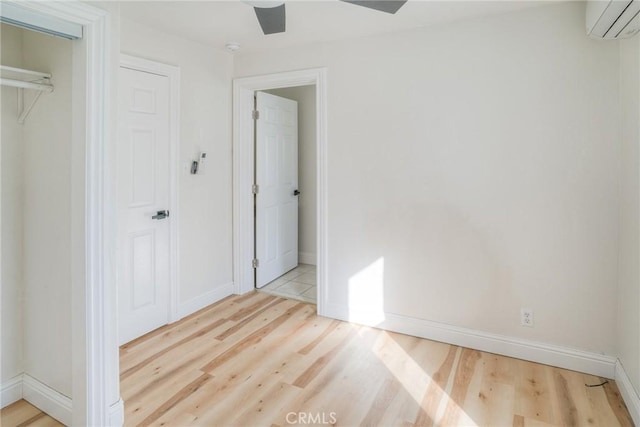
point(425, 260)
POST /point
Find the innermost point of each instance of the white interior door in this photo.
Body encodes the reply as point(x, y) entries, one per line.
point(143, 193)
point(277, 180)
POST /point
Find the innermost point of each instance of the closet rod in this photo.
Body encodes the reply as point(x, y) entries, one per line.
point(25, 79)
point(26, 85)
point(25, 73)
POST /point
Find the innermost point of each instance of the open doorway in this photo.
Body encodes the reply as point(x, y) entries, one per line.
point(244, 90)
point(285, 200)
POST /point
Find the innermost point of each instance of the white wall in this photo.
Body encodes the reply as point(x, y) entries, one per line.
point(306, 98)
point(205, 200)
point(12, 204)
point(629, 277)
point(476, 163)
point(47, 217)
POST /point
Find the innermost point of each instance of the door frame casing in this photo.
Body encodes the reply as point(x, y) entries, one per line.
point(173, 74)
point(243, 172)
point(95, 365)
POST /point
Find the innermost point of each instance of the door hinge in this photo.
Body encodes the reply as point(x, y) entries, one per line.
point(255, 114)
point(255, 263)
point(255, 188)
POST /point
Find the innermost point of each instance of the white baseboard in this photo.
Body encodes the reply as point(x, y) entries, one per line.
point(51, 402)
point(548, 354)
point(116, 414)
point(11, 391)
point(307, 258)
point(200, 302)
point(43, 397)
point(629, 393)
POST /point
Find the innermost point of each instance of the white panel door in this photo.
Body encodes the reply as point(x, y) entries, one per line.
point(277, 180)
point(143, 192)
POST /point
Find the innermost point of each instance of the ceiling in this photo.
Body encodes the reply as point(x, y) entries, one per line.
point(216, 23)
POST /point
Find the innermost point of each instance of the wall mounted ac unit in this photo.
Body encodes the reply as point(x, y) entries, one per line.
point(613, 19)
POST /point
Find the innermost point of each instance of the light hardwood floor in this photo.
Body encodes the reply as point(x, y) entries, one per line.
point(24, 414)
point(260, 360)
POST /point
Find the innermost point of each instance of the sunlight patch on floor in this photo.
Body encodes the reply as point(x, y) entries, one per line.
point(415, 380)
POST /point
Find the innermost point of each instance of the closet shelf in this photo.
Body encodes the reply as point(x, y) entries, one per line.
point(25, 79)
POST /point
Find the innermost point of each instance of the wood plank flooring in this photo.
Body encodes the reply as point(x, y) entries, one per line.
point(260, 360)
point(24, 414)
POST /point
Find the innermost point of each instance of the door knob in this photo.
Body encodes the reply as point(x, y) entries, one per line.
point(161, 215)
point(296, 192)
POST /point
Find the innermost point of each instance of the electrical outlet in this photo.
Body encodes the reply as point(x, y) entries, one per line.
point(526, 317)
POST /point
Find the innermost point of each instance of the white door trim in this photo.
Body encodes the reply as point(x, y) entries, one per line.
point(173, 74)
point(95, 352)
point(243, 161)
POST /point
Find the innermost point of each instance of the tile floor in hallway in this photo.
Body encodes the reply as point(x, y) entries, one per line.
point(298, 284)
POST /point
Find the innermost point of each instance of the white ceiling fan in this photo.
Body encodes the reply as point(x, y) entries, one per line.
point(272, 18)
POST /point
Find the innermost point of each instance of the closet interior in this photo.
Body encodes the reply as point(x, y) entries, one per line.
point(35, 153)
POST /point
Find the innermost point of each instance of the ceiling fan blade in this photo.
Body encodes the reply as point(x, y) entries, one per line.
point(389, 6)
point(272, 19)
